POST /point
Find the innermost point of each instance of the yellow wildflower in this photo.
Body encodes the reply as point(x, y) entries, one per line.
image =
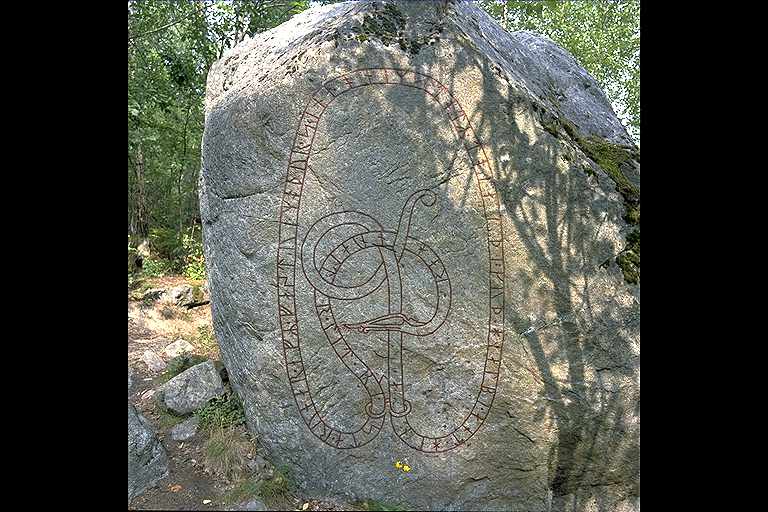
point(398, 464)
point(406, 468)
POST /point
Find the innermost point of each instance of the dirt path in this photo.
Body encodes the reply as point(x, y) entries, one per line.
point(189, 486)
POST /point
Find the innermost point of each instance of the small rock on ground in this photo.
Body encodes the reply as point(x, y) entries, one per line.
point(153, 361)
point(178, 347)
point(191, 389)
point(153, 294)
point(253, 505)
point(186, 429)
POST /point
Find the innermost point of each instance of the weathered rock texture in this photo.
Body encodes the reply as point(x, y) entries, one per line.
point(178, 348)
point(186, 429)
point(191, 389)
point(147, 458)
point(394, 195)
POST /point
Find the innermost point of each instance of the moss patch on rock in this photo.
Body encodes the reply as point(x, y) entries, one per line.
point(387, 25)
point(628, 260)
point(609, 157)
point(197, 293)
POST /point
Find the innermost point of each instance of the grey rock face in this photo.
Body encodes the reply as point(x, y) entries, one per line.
point(181, 295)
point(147, 458)
point(411, 253)
point(253, 505)
point(153, 361)
point(178, 347)
point(130, 379)
point(191, 389)
point(260, 468)
point(186, 429)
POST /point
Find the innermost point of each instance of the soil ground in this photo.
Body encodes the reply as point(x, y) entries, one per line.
point(152, 326)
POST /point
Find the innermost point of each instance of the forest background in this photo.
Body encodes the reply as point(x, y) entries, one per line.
point(173, 43)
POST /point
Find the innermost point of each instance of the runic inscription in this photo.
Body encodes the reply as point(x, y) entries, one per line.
point(357, 232)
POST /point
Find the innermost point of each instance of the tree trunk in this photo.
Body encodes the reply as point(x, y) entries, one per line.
point(141, 226)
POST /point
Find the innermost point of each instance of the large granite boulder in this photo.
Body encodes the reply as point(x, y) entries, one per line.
point(147, 458)
point(422, 239)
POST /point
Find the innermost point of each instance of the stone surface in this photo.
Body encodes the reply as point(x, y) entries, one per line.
point(186, 295)
point(147, 458)
point(260, 468)
point(186, 429)
point(177, 348)
point(253, 505)
point(181, 295)
point(153, 361)
point(130, 379)
point(390, 194)
point(191, 389)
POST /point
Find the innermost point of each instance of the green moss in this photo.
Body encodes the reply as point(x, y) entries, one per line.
point(632, 215)
point(197, 293)
point(633, 241)
point(629, 262)
point(609, 157)
point(387, 25)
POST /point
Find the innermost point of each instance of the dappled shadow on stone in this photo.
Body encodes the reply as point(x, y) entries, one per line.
point(563, 431)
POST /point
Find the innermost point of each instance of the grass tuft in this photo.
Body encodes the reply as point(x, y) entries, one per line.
point(177, 365)
point(376, 506)
point(277, 488)
point(244, 491)
point(166, 418)
point(206, 340)
point(225, 453)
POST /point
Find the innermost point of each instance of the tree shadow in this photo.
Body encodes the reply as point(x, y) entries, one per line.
point(572, 318)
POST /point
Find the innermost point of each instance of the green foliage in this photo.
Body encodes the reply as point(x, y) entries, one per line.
point(279, 486)
point(171, 47)
point(156, 268)
point(603, 36)
point(223, 412)
point(165, 243)
point(194, 260)
point(374, 505)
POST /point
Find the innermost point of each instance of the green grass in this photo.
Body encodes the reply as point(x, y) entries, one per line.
point(223, 412)
point(278, 488)
point(206, 340)
point(166, 419)
point(152, 267)
point(244, 491)
point(177, 365)
point(374, 505)
point(225, 453)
